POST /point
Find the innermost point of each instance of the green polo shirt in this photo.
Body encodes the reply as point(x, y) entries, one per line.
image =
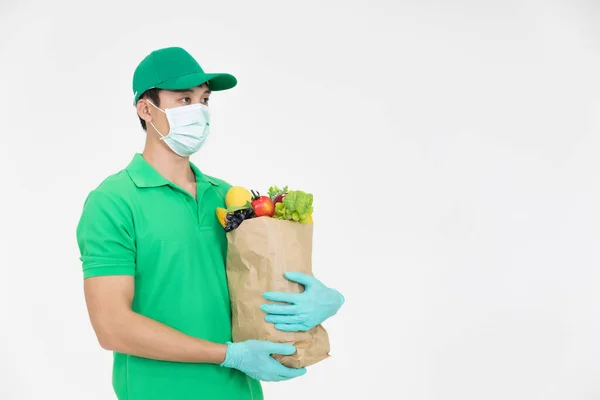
point(138, 223)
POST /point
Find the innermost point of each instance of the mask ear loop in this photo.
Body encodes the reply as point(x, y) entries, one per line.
point(156, 106)
point(162, 137)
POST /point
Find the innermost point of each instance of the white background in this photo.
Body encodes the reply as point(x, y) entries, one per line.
point(452, 148)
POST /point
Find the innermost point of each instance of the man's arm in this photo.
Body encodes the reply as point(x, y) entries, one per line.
point(119, 329)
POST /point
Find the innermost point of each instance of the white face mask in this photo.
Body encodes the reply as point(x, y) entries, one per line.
point(189, 128)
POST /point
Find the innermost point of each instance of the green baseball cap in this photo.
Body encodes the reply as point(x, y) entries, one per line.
point(173, 68)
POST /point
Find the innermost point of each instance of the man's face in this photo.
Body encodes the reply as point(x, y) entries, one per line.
point(172, 99)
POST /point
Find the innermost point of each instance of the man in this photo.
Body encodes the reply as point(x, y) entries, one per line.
point(153, 257)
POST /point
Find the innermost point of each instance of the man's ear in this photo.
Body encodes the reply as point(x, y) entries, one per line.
point(143, 110)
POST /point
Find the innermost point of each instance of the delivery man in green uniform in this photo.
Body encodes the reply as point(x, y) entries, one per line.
point(153, 257)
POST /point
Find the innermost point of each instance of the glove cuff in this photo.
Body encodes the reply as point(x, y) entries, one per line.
point(229, 361)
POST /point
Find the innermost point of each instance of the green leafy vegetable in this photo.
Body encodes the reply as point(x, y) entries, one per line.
point(248, 205)
point(296, 206)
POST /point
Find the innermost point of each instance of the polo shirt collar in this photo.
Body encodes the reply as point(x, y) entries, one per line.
point(145, 176)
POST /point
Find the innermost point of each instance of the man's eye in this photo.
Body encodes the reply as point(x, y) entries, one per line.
point(206, 101)
point(185, 100)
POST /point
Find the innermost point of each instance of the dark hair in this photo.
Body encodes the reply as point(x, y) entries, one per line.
point(151, 94)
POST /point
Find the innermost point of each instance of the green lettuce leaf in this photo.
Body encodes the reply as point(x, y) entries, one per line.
point(299, 202)
point(289, 201)
point(302, 203)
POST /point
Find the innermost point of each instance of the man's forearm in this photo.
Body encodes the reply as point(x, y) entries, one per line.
point(134, 334)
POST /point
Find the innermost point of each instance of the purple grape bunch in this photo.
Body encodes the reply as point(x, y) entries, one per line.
point(235, 219)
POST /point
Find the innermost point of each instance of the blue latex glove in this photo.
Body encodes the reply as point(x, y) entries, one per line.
point(253, 357)
point(305, 310)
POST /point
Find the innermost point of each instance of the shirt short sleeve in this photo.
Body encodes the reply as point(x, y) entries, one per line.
point(106, 237)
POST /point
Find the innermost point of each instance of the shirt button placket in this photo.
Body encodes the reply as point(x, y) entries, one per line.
point(194, 206)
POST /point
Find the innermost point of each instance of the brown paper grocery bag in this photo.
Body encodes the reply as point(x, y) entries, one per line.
point(259, 251)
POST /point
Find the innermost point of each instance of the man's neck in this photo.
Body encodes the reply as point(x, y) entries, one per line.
point(172, 167)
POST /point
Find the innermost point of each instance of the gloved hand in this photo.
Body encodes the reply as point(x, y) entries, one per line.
point(307, 309)
point(253, 357)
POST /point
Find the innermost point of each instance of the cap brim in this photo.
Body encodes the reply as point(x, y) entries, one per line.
point(216, 82)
